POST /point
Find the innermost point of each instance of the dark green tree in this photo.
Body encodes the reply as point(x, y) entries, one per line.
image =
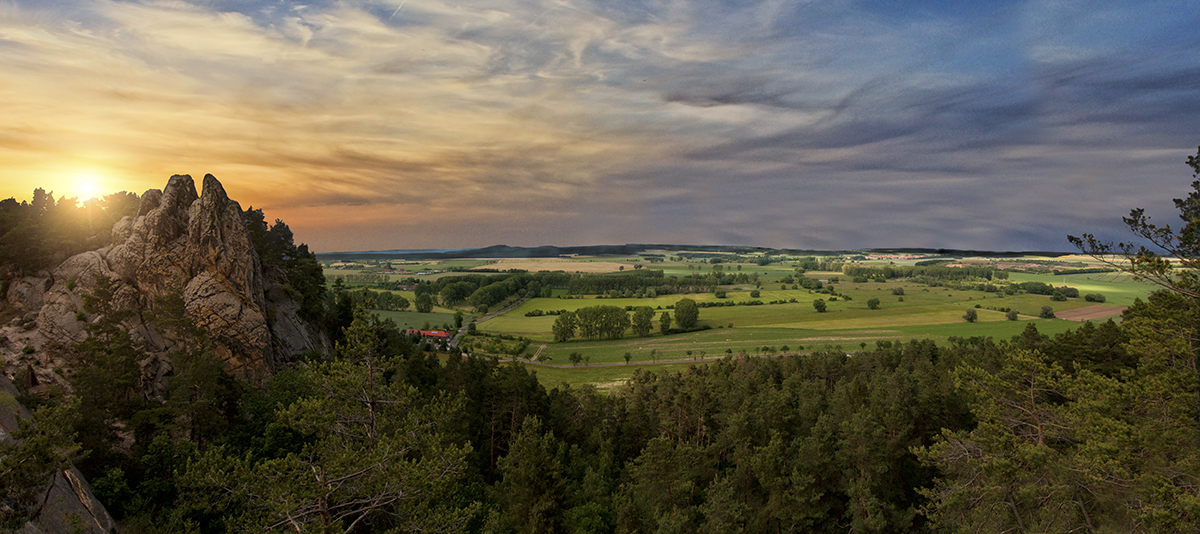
point(40, 448)
point(530, 496)
point(375, 455)
point(276, 248)
point(564, 326)
point(107, 377)
point(687, 313)
point(424, 303)
point(643, 321)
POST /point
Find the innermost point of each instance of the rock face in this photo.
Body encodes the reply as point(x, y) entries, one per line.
point(67, 502)
point(196, 245)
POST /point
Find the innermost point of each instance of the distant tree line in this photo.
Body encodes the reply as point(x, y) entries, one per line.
point(939, 272)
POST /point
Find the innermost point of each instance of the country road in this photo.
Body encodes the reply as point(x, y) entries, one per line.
point(463, 330)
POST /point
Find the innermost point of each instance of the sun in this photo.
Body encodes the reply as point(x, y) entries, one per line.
point(87, 185)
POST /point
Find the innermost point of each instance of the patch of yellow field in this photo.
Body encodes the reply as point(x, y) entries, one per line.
point(534, 265)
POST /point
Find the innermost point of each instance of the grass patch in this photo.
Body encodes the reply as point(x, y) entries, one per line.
point(412, 319)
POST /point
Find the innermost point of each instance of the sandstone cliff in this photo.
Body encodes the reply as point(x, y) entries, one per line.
point(179, 241)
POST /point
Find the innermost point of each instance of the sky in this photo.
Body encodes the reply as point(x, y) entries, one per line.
point(416, 124)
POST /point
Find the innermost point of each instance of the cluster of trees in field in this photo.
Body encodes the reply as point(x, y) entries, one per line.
point(610, 322)
point(377, 280)
point(482, 291)
point(375, 300)
point(934, 272)
point(39, 233)
point(812, 263)
point(600, 284)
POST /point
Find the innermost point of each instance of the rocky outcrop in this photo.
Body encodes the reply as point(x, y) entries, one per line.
point(180, 241)
point(66, 504)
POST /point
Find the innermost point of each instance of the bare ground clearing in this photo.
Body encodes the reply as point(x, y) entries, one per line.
point(1089, 313)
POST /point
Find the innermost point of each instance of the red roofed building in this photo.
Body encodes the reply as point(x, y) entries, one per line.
point(436, 334)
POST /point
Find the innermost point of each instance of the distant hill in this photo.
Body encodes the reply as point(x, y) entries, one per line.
point(551, 251)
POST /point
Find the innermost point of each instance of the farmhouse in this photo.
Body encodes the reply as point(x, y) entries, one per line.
point(435, 334)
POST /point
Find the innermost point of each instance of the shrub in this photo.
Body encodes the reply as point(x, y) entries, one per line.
point(898, 291)
point(1094, 297)
point(971, 315)
point(873, 304)
point(1011, 315)
point(1047, 312)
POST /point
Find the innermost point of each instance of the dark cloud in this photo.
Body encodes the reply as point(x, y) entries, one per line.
point(813, 124)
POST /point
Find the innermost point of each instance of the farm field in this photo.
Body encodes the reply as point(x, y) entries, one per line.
point(781, 320)
point(569, 265)
point(1120, 289)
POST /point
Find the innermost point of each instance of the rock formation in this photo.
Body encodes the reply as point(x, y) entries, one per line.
point(67, 503)
point(196, 245)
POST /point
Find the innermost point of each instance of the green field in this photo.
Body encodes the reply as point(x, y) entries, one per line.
point(412, 319)
point(1119, 289)
point(790, 325)
point(925, 313)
